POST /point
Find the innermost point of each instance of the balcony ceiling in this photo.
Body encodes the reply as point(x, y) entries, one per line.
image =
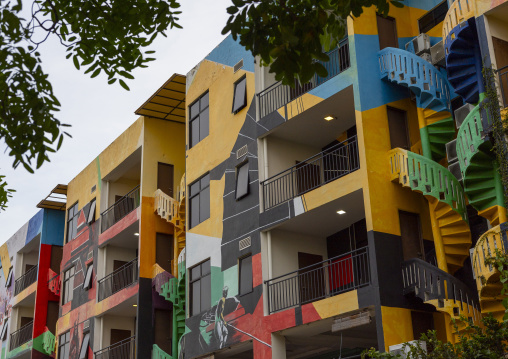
point(168, 102)
point(129, 169)
point(500, 12)
point(311, 129)
point(126, 238)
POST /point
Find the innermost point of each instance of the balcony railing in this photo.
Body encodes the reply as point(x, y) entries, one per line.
point(121, 278)
point(120, 208)
point(428, 282)
point(125, 349)
point(503, 84)
point(25, 280)
point(278, 95)
point(314, 172)
point(333, 276)
point(21, 336)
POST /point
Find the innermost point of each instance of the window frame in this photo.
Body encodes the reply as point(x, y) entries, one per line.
point(242, 79)
point(70, 219)
point(84, 345)
point(247, 190)
point(65, 284)
point(198, 118)
point(198, 194)
point(87, 284)
point(63, 344)
point(434, 22)
point(199, 279)
point(240, 293)
point(91, 211)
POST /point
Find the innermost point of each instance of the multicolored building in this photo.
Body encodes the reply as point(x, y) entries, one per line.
point(353, 211)
point(29, 283)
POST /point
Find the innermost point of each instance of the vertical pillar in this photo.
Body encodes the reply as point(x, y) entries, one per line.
point(424, 134)
point(278, 346)
point(438, 240)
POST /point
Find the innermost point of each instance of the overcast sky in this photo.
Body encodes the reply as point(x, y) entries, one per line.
point(99, 113)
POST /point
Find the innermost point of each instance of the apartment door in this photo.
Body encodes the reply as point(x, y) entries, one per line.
point(165, 178)
point(501, 53)
point(398, 127)
point(410, 231)
point(120, 347)
point(163, 329)
point(52, 316)
point(311, 277)
point(164, 250)
point(387, 32)
point(307, 176)
point(422, 323)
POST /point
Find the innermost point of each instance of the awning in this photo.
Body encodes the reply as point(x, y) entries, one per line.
point(57, 198)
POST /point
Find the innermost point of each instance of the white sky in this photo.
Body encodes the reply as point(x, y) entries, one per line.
point(98, 112)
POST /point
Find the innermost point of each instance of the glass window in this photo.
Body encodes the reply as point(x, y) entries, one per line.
point(68, 285)
point(199, 200)
point(91, 212)
point(72, 222)
point(198, 120)
point(242, 180)
point(87, 284)
point(64, 345)
point(83, 354)
point(240, 95)
point(245, 276)
point(200, 287)
point(433, 17)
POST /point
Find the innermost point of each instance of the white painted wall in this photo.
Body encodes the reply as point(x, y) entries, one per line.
point(283, 154)
point(116, 322)
point(16, 314)
point(120, 188)
point(119, 254)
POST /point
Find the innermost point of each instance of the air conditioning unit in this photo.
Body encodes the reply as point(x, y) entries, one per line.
point(451, 151)
point(419, 45)
point(454, 168)
point(426, 57)
point(437, 53)
point(461, 113)
point(403, 349)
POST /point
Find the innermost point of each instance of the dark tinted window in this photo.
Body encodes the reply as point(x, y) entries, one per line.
point(64, 346)
point(240, 96)
point(198, 120)
point(245, 276)
point(242, 180)
point(88, 279)
point(83, 354)
point(200, 287)
point(68, 285)
point(433, 17)
point(72, 221)
point(199, 200)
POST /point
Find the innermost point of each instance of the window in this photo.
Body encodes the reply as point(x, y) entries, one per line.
point(3, 334)
point(199, 200)
point(245, 275)
point(83, 354)
point(433, 17)
point(200, 288)
point(91, 212)
point(242, 180)
point(240, 95)
point(87, 284)
point(198, 120)
point(72, 222)
point(9, 278)
point(68, 285)
point(64, 345)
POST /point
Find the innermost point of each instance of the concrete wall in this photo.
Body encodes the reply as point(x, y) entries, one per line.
point(119, 254)
point(119, 188)
point(115, 322)
point(283, 154)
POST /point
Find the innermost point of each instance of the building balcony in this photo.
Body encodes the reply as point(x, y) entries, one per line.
point(119, 279)
point(316, 171)
point(277, 95)
point(325, 279)
point(25, 280)
point(121, 208)
point(21, 336)
point(124, 349)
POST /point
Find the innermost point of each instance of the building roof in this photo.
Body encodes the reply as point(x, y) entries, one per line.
point(57, 198)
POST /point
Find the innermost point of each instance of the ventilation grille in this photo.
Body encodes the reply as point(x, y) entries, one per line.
point(241, 152)
point(238, 65)
point(90, 255)
point(244, 243)
point(94, 188)
point(86, 324)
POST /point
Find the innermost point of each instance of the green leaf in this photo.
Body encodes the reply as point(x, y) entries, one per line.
point(124, 85)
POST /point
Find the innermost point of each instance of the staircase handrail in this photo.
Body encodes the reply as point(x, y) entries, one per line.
point(429, 177)
point(158, 353)
point(459, 11)
point(413, 71)
point(165, 205)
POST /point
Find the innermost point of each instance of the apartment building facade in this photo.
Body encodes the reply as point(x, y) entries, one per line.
point(29, 288)
point(355, 211)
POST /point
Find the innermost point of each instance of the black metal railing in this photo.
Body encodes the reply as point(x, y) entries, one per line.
point(25, 280)
point(503, 84)
point(21, 336)
point(277, 95)
point(125, 349)
point(120, 208)
point(333, 276)
point(428, 282)
point(314, 172)
point(118, 280)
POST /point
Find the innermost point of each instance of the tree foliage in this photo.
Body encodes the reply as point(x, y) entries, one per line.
point(289, 35)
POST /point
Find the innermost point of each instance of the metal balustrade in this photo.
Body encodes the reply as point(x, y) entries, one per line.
point(25, 280)
point(21, 336)
point(314, 172)
point(121, 278)
point(503, 84)
point(333, 276)
point(277, 95)
point(125, 349)
point(428, 282)
point(120, 208)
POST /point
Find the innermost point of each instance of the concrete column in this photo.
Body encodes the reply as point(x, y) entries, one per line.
point(278, 346)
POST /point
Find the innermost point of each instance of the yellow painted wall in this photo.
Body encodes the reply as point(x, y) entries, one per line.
point(397, 325)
